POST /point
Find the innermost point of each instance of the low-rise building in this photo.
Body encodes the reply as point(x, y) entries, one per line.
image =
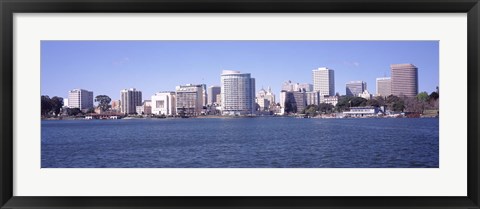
point(333, 100)
point(366, 95)
point(145, 108)
point(368, 111)
point(164, 103)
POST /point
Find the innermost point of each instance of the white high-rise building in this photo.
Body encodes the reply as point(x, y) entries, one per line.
point(80, 98)
point(129, 100)
point(212, 93)
point(238, 93)
point(384, 86)
point(354, 88)
point(164, 103)
point(324, 81)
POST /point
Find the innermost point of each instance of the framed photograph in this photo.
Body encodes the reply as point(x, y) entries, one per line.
point(239, 104)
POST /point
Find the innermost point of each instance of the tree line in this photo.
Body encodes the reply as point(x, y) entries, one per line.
point(53, 107)
point(423, 101)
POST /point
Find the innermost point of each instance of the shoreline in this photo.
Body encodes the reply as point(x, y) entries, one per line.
point(237, 117)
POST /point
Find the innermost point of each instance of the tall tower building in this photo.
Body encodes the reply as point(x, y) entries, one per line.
point(384, 86)
point(189, 99)
point(212, 93)
point(404, 80)
point(354, 88)
point(324, 81)
point(80, 98)
point(129, 100)
point(238, 93)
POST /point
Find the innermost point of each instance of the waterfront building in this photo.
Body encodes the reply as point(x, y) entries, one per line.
point(189, 99)
point(300, 100)
point(164, 103)
point(354, 88)
point(365, 94)
point(145, 108)
point(115, 106)
point(212, 93)
point(265, 99)
point(368, 111)
point(313, 98)
point(80, 98)
point(65, 102)
point(333, 100)
point(129, 100)
point(324, 81)
point(295, 99)
point(384, 86)
point(404, 80)
point(238, 93)
point(270, 96)
point(219, 99)
point(204, 94)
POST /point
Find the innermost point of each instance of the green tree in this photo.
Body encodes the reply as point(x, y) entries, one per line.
point(433, 96)
point(103, 102)
point(91, 110)
point(395, 103)
point(46, 105)
point(343, 103)
point(325, 108)
point(373, 102)
point(73, 111)
point(57, 104)
point(422, 96)
point(310, 110)
point(358, 102)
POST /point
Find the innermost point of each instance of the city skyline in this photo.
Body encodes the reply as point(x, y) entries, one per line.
point(99, 67)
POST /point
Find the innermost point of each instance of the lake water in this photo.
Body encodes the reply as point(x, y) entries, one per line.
point(262, 142)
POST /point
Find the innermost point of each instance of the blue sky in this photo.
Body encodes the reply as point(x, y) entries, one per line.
point(106, 67)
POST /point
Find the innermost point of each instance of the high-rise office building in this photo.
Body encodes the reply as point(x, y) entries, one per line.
point(129, 100)
point(404, 80)
point(212, 93)
point(384, 86)
point(354, 88)
point(80, 98)
point(238, 93)
point(204, 94)
point(189, 99)
point(164, 103)
point(313, 97)
point(324, 81)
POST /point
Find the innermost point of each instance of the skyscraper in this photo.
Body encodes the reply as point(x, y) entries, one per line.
point(129, 100)
point(80, 98)
point(324, 81)
point(189, 99)
point(213, 91)
point(384, 86)
point(354, 88)
point(404, 80)
point(238, 93)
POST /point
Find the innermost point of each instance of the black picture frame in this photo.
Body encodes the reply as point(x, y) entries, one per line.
point(9, 7)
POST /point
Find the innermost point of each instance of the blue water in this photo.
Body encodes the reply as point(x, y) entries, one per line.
point(241, 143)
